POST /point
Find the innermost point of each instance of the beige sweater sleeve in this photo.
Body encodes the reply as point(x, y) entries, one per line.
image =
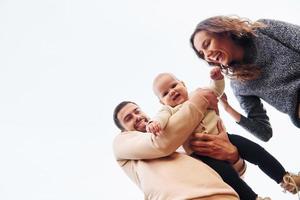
point(217, 86)
point(163, 116)
point(135, 145)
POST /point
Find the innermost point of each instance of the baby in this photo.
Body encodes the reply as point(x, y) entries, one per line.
point(172, 93)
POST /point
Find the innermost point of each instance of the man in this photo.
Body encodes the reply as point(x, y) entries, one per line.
point(150, 160)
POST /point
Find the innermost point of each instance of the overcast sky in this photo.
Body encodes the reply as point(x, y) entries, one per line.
point(65, 64)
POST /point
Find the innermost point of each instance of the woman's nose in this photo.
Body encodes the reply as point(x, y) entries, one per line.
point(208, 55)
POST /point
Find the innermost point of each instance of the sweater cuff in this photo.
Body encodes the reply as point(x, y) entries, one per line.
point(240, 166)
point(242, 121)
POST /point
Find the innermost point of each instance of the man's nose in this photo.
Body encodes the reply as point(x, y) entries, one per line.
point(137, 117)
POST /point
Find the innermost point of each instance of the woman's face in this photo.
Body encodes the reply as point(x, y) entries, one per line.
point(217, 48)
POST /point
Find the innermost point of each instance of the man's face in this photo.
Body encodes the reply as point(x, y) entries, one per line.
point(132, 118)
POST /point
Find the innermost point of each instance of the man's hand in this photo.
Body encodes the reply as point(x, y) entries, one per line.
point(154, 127)
point(215, 146)
point(209, 95)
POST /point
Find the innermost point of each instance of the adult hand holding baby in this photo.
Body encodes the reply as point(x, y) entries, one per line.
point(216, 146)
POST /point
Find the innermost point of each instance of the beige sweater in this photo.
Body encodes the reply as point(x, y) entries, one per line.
point(149, 161)
point(208, 123)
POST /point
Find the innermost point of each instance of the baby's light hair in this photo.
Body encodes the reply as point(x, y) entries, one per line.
point(158, 77)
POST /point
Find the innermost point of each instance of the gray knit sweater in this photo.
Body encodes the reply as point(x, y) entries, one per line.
point(276, 49)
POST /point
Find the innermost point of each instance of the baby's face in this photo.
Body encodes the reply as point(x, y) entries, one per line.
point(170, 91)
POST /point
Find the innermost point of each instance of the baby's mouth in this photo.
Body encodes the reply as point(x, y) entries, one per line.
point(176, 96)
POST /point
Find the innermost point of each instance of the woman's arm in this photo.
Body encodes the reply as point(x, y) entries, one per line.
point(230, 110)
point(257, 121)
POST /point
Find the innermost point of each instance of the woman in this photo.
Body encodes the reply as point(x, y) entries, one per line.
point(261, 58)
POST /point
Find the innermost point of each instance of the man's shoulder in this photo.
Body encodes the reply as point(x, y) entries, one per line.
point(127, 132)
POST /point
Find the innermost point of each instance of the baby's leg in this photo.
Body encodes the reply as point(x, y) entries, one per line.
point(257, 155)
point(230, 176)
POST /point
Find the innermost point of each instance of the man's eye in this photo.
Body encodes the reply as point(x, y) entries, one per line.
point(137, 111)
point(128, 118)
point(164, 94)
point(174, 85)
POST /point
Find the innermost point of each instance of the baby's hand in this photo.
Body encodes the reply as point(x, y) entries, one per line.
point(154, 127)
point(215, 73)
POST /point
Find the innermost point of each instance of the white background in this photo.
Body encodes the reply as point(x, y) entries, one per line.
point(65, 64)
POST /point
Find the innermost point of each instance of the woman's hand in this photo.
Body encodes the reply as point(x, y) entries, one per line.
point(230, 110)
point(224, 101)
point(215, 146)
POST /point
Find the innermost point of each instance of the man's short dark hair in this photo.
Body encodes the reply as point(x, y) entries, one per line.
point(117, 110)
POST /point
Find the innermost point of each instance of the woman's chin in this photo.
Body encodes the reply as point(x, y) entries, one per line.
point(224, 62)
